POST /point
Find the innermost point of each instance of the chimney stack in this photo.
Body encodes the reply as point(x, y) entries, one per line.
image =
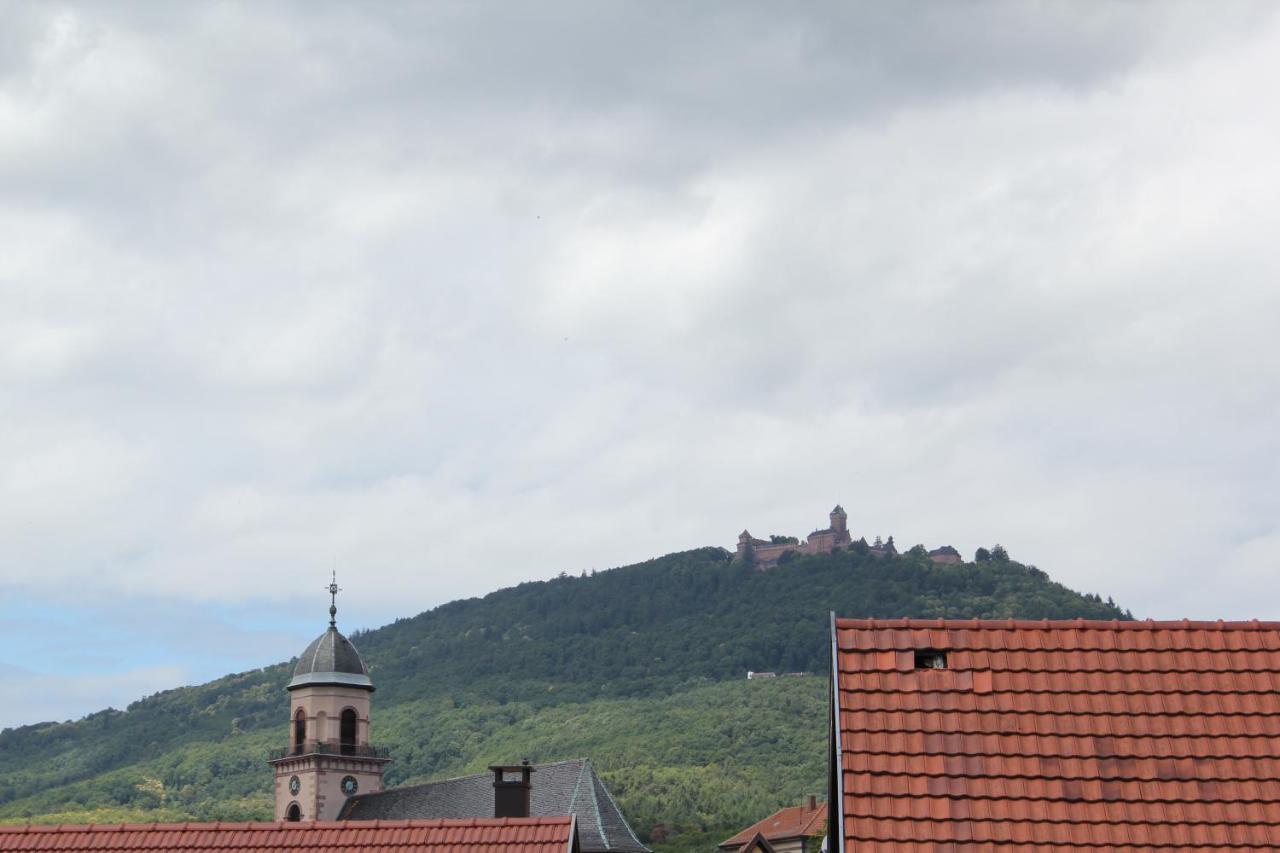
point(813, 803)
point(511, 788)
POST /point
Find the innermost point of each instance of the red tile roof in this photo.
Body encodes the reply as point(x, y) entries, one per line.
point(791, 822)
point(1043, 736)
point(508, 835)
point(758, 844)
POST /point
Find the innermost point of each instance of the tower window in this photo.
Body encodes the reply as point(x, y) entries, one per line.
point(931, 659)
point(347, 732)
point(299, 728)
point(294, 813)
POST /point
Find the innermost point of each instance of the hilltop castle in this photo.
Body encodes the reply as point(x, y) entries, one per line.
point(765, 554)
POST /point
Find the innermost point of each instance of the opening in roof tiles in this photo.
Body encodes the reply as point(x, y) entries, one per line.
point(930, 659)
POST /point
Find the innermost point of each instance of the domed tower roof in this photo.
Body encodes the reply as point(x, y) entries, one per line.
point(331, 658)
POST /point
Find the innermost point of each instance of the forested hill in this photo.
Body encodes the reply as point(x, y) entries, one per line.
point(693, 615)
point(640, 668)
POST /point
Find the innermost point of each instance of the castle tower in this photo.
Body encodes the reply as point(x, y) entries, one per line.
point(839, 519)
point(328, 757)
point(840, 525)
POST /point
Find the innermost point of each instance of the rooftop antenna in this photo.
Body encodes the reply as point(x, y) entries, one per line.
point(334, 589)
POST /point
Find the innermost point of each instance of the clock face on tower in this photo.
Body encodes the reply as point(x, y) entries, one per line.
point(349, 785)
point(294, 785)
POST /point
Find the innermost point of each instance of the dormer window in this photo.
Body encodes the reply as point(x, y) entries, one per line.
point(931, 659)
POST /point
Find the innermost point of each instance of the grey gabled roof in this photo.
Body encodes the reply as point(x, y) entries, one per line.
point(330, 659)
point(560, 788)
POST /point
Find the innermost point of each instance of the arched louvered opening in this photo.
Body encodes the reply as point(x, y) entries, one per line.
point(299, 729)
point(347, 732)
point(294, 813)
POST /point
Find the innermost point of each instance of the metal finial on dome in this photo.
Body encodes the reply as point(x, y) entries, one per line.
point(334, 589)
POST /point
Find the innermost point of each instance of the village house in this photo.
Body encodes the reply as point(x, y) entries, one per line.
point(1054, 736)
point(795, 829)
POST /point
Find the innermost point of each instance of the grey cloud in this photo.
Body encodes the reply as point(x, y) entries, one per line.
point(454, 297)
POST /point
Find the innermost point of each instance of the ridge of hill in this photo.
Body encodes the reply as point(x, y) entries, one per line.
point(640, 668)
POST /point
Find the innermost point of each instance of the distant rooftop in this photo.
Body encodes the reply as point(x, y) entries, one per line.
point(558, 788)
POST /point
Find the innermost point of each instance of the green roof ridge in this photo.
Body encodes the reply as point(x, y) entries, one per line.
point(616, 810)
point(595, 802)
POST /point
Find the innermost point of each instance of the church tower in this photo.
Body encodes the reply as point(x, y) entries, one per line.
point(328, 757)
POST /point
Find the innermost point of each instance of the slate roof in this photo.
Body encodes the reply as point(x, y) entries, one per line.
point(1056, 736)
point(791, 822)
point(562, 787)
point(330, 659)
point(505, 835)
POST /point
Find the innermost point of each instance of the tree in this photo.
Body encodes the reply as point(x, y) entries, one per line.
point(982, 555)
point(917, 551)
point(999, 553)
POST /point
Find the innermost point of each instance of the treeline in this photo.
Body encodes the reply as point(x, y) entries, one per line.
point(694, 615)
point(639, 668)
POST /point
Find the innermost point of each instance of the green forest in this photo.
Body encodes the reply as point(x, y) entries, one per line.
point(640, 668)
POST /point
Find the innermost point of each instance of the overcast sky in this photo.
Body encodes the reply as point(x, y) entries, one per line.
point(451, 296)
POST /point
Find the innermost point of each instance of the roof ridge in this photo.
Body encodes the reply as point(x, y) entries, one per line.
point(419, 785)
point(595, 802)
point(614, 803)
point(573, 797)
point(818, 811)
point(562, 761)
point(1060, 624)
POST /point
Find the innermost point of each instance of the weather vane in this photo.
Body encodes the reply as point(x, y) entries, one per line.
point(334, 589)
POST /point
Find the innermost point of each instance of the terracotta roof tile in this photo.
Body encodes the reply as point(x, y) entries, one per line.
point(508, 835)
point(791, 822)
point(1059, 735)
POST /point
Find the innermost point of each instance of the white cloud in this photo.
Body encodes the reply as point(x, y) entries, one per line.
point(452, 300)
point(27, 697)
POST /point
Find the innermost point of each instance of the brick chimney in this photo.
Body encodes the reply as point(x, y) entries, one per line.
point(812, 804)
point(511, 789)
